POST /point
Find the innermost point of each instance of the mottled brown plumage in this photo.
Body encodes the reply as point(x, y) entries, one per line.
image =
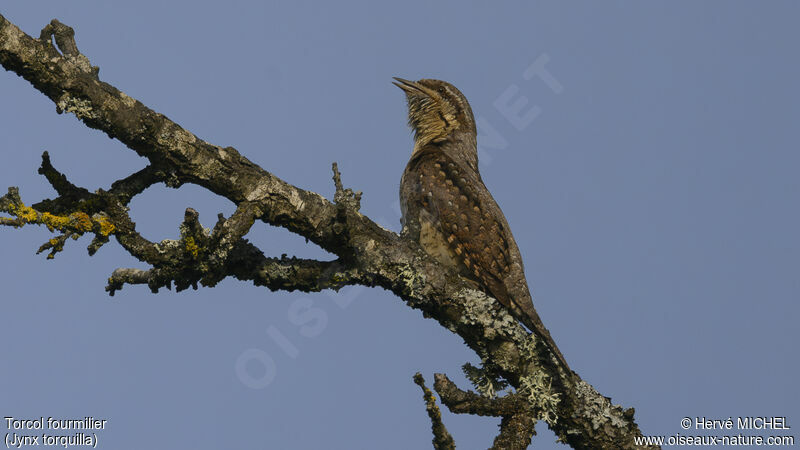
point(447, 208)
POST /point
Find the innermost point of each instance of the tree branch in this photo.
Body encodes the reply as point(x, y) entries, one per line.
point(519, 418)
point(368, 254)
point(442, 440)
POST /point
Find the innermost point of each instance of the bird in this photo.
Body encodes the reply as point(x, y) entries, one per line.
point(447, 208)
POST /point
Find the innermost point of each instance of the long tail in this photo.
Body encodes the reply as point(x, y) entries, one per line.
point(531, 320)
point(524, 311)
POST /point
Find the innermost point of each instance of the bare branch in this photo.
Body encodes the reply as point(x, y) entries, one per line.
point(134, 184)
point(58, 180)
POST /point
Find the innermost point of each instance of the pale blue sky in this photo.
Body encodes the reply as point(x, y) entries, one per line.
point(654, 197)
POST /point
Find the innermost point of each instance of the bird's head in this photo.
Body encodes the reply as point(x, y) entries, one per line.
point(436, 110)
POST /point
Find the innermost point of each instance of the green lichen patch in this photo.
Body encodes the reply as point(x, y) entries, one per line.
point(82, 108)
point(485, 382)
point(537, 386)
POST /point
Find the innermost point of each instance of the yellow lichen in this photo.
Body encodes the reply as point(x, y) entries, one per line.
point(77, 222)
point(52, 221)
point(26, 213)
point(191, 246)
point(106, 227)
point(81, 221)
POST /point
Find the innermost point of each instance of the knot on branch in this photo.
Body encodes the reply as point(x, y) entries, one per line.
point(65, 40)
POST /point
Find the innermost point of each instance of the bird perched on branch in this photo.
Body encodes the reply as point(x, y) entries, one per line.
point(447, 208)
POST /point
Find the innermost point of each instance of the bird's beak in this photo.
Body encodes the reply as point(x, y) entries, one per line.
point(410, 87)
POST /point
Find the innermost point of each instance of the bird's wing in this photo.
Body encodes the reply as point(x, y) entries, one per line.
point(476, 232)
point(465, 211)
